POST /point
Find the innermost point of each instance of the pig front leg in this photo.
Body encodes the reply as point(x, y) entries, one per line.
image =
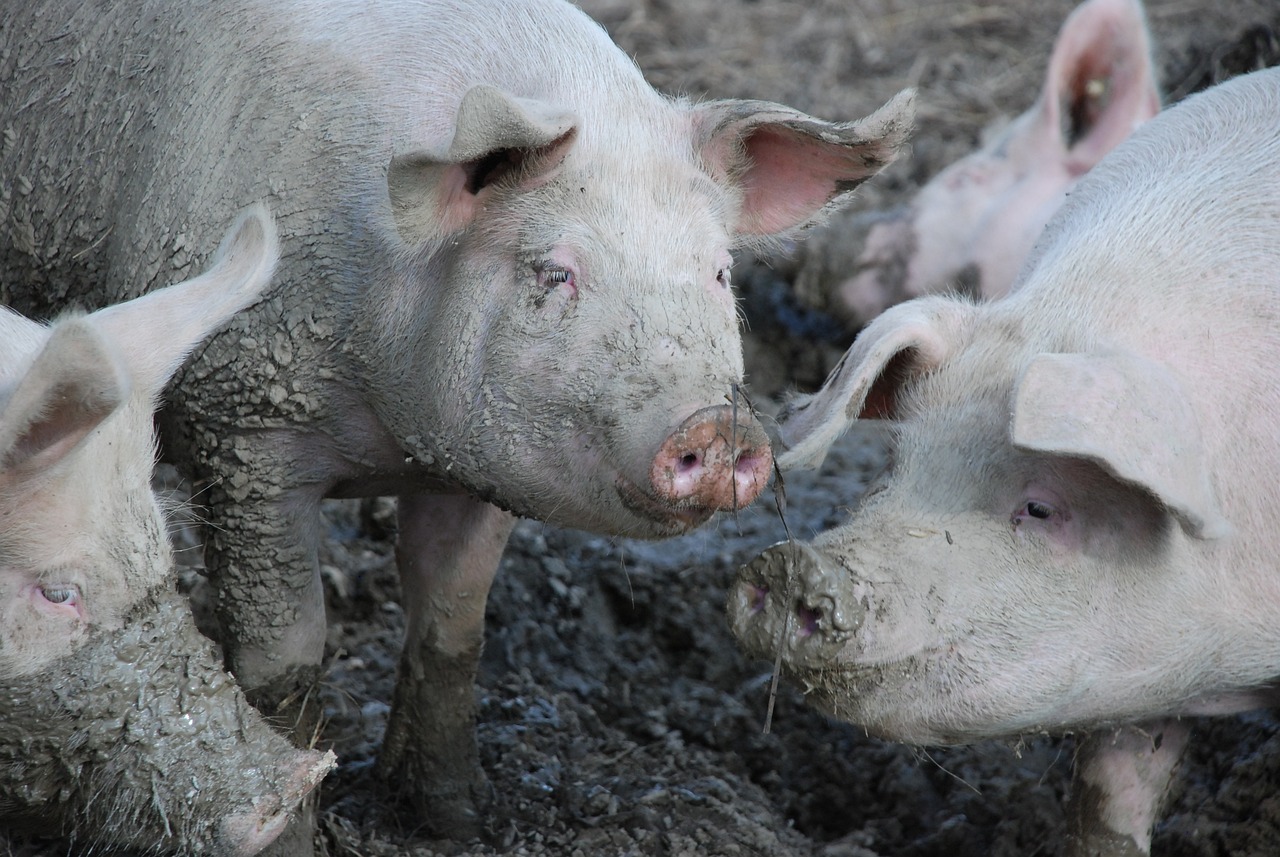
point(448, 553)
point(262, 558)
point(1119, 787)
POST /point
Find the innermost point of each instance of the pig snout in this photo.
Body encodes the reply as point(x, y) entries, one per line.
point(716, 460)
point(248, 832)
point(794, 601)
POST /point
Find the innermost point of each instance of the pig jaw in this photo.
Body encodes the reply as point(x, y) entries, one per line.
point(142, 731)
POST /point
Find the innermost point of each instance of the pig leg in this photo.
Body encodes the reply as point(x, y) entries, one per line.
point(1119, 787)
point(261, 555)
point(448, 552)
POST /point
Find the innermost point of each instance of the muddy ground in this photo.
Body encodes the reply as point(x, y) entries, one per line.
point(616, 716)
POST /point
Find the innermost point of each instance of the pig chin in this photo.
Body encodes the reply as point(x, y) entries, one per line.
point(660, 519)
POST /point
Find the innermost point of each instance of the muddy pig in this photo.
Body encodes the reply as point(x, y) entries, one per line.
point(118, 723)
point(972, 225)
point(504, 290)
point(1080, 523)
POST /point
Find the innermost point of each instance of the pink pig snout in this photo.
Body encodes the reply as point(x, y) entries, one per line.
point(716, 460)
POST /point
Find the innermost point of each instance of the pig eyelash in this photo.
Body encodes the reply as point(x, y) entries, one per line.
point(551, 277)
point(1033, 509)
point(66, 596)
point(724, 277)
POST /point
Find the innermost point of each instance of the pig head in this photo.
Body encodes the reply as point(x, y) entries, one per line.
point(118, 724)
point(1078, 526)
point(971, 227)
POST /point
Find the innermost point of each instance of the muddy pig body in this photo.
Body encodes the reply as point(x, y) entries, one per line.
point(118, 723)
point(503, 289)
point(1078, 530)
point(970, 227)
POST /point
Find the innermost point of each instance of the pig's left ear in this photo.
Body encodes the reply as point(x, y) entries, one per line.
point(1129, 415)
point(496, 137)
point(789, 166)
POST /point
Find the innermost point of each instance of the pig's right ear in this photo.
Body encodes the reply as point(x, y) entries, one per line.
point(901, 344)
point(76, 381)
point(497, 137)
point(157, 331)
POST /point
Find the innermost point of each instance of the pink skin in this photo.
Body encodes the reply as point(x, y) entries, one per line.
point(973, 225)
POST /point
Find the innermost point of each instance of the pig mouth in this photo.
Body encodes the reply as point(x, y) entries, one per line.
point(672, 519)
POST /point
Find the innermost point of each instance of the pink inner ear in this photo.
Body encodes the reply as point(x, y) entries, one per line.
point(458, 206)
point(789, 178)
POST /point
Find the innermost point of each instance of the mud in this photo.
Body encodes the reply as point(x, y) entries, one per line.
point(141, 738)
point(616, 715)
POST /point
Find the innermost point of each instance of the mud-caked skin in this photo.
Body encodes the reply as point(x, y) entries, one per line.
point(1079, 525)
point(504, 288)
point(971, 227)
point(118, 723)
point(141, 738)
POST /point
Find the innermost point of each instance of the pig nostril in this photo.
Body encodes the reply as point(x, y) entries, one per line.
point(746, 463)
point(687, 462)
point(809, 618)
point(758, 596)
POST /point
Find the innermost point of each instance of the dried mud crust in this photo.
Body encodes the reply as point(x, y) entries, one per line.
point(616, 715)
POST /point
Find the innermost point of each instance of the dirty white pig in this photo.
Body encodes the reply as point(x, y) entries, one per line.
point(1080, 524)
point(504, 290)
point(970, 228)
point(118, 723)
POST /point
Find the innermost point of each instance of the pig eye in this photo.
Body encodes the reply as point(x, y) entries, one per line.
point(724, 278)
point(1033, 509)
point(68, 595)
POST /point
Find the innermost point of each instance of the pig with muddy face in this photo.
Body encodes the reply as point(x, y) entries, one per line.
point(118, 723)
point(503, 289)
point(971, 227)
point(1079, 528)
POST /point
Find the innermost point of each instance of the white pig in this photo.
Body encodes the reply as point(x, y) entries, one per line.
point(118, 723)
point(503, 288)
point(1080, 526)
point(970, 228)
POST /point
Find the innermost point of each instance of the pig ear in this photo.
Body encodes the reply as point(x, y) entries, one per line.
point(792, 167)
point(156, 332)
point(496, 136)
point(1127, 414)
point(76, 381)
point(901, 344)
point(1101, 82)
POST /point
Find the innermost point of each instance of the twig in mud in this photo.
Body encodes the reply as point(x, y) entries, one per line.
point(780, 503)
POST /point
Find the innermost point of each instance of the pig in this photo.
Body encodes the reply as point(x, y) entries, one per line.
point(1079, 526)
point(971, 227)
point(118, 724)
point(504, 290)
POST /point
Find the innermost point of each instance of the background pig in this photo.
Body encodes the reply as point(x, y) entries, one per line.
point(118, 725)
point(970, 228)
point(1078, 530)
point(503, 289)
